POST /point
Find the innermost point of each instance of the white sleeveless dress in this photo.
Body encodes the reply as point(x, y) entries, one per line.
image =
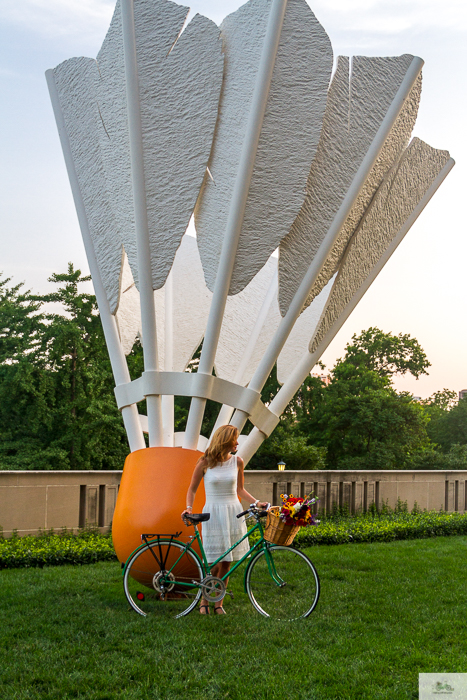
point(223, 529)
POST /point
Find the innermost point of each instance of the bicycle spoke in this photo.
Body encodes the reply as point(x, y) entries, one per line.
point(171, 590)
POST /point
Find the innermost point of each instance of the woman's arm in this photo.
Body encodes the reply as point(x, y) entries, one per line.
point(241, 491)
point(198, 474)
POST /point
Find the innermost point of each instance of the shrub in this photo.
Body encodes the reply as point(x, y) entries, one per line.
point(52, 549)
point(383, 527)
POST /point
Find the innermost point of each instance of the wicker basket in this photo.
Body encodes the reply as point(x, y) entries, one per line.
point(277, 531)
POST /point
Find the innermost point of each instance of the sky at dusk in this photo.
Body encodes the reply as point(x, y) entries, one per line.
point(422, 289)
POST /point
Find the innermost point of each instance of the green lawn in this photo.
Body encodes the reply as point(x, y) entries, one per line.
point(387, 612)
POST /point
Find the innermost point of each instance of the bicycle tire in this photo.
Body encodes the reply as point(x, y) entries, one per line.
point(144, 573)
point(292, 593)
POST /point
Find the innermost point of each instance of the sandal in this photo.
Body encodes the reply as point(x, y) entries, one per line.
point(207, 608)
point(219, 611)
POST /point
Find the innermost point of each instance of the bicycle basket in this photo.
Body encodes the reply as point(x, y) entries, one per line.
point(278, 532)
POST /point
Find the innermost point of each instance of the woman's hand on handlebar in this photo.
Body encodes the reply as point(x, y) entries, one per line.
point(262, 505)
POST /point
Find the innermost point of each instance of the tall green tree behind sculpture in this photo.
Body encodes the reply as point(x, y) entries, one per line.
point(77, 358)
point(386, 354)
point(57, 409)
point(360, 419)
point(25, 387)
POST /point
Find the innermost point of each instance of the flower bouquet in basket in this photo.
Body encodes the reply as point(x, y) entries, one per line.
point(285, 521)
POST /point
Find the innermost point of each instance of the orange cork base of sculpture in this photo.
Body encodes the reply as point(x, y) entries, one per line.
point(152, 496)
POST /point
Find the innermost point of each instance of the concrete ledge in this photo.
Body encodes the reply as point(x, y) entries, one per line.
point(31, 501)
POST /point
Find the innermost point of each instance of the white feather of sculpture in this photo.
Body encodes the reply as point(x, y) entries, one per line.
point(75, 82)
point(190, 308)
point(180, 78)
point(356, 107)
point(236, 356)
point(397, 197)
point(304, 329)
point(297, 96)
point(128, 314)
point(260, 159)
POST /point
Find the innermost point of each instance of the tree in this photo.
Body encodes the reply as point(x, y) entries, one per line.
point(456, 458)
point(291, 448)
point(57, 410)
point(26, 391)
point(359, 418)
point(365, 424)
point(87, 423)
point(21, 324)
point(443, 400)
point(386, 354)
point(449, 427)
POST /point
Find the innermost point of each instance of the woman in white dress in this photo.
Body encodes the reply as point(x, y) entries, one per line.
point(224, 486)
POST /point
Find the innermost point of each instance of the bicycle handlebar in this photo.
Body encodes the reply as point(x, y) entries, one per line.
point(259, 513)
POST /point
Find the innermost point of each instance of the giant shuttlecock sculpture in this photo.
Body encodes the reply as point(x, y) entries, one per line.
point(247, 127)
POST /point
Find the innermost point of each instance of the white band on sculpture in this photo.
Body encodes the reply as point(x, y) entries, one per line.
point(203, 386)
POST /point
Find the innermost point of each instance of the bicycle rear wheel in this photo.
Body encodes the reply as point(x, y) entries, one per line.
point(282, 583)
point(152, 587)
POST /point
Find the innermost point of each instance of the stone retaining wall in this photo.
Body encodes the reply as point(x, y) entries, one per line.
point(39, 500)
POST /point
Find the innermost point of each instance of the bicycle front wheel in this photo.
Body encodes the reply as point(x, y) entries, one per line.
point(282, 583)
point(163, 578)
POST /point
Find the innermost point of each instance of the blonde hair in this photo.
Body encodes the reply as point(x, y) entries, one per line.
point(220, 444)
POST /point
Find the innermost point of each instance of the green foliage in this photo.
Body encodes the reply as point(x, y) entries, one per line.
point(89, 546)
point(20, 323)
point(442, 400)
point(447, 430)
point(26, 387)
point(57, 408)
point(361, 421)
point(292, 449)
point(383, 527)
point(386, 354)
point(456, 458)
point(51, 549)
point(448, 427)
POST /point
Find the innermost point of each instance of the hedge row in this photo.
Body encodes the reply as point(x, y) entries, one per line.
point(383, 528)
point(88, 547)
point(53, 549)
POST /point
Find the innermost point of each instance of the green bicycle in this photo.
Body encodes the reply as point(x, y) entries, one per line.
point(167, 575)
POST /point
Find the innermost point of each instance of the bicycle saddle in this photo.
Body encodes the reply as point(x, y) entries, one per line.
point(197, 517)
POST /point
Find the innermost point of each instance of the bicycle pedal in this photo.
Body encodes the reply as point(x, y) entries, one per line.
point(230, 594)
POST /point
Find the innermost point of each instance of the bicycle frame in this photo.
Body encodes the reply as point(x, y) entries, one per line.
point(261, 545)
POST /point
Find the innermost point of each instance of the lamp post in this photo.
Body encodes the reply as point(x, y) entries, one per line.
point(281, 466)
